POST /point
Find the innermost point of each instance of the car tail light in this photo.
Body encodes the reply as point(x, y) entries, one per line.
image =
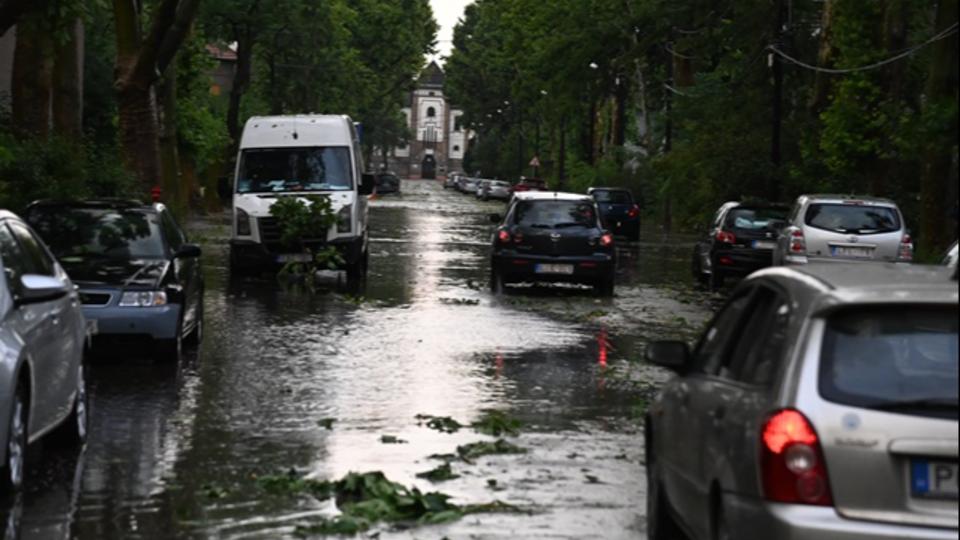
point(634, 212)
point(798, 244)
point(503, 236)
point(791, 464)
point(606, 240)
point(726, 237)
point(726, 261)
point(906, 248)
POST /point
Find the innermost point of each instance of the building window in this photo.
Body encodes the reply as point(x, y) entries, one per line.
point(431, 112)
point(458, 123)
point(456, 148)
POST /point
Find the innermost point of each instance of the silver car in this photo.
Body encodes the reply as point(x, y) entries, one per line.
point(42, 340)
point(497, 189)
point(820, 403)
point(843, 228)
point(468, 185)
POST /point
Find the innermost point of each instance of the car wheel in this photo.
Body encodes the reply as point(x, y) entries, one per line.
point(170, 350)
point(605, 287)
point(73, 431)
point(716, 277)
point(196, 336)
point(497, 286)
point(721, 531)
point(14, 468)
point(660, 522)
point(696, 268)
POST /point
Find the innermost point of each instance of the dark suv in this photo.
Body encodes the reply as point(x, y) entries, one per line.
point(552, 237)
point(619, 211)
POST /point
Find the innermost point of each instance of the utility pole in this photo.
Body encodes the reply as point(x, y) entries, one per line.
point(773, 189)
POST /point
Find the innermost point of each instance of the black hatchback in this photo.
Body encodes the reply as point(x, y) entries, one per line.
point(552, 237)
point(740, 240)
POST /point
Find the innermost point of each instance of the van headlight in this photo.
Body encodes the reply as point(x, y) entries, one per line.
point(243, 223)
point(143, 299)
point(344, 221)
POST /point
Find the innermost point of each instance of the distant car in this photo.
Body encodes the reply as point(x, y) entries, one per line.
point(740, 240)
point(821, 402)
point(843, 228)
point(450, 181)
point(950, 259)
point(497, 189)
point(530, 184)
point(42, 335)
point(552, 237)
point(482, 187)
point(387, 182)
point(468, 185)
point(619, 211)
point(139, 277)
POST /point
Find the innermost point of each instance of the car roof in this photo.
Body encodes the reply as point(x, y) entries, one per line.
point(551, 196)
point(834, 198)
point(826, 286)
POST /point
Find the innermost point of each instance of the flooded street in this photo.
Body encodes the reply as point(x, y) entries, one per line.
point(322, 382)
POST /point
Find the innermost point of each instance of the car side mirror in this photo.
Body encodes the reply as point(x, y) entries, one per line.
point(368, 182)
point(188, 251)
point(496, 218)
point(673, 355)
point(37, 288)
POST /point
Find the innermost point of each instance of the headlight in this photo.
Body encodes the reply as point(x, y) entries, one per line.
point(243, 223)
point(344, 221)
point(143, 299)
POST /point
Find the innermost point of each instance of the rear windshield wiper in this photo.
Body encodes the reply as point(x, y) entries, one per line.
point(935, 404)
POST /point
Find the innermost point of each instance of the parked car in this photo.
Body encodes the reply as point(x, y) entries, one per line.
point(139, 276)
point(740, 240)
point(843, 228)
point(552, 237)
point(43, 335)
point(450, 181)
point(821, 402)
point(387, 182)
point(530, 184)
point(482, 187)
point(619, 211)
point(497, 189)
point(468, 184)
point(299, 155)
point(950, 258)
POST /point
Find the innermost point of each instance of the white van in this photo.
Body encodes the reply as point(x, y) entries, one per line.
point(290, 156)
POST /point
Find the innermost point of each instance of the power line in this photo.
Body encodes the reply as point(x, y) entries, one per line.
point(952, 29)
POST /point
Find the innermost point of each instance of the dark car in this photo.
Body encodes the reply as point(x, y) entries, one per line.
point(138, 276)
point(387, 182)
point(530, 184)
point(619, 211)
point(552, 237)
point(740, 240)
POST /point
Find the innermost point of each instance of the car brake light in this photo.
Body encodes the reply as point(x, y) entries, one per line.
point(634, 212)
point(791, 463)
point(906, 248)
point(504, 236)
point(606, 240)
point(726, 237)
point(798, 244)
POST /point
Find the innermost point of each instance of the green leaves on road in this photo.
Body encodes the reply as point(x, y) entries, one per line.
point(443, 424)
point(439, 473)
point(472, 451)
point(496, 424)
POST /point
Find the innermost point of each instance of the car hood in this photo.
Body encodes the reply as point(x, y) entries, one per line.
point(136, 273)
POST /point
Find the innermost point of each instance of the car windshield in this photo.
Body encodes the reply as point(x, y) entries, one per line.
point(755, 218)
point(613, 197)
point(853, 218)
point(279, 170)
point(84, 233)
point(885, 358)
point(553, 214)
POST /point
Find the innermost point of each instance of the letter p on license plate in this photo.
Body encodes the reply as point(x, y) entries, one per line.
point(934, 479)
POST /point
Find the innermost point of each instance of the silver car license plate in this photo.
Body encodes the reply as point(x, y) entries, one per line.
point(850, 251)
point(934, 479)
point(566, 269)
point(763, 244)
point(295, 257)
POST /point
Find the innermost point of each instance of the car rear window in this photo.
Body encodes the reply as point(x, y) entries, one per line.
point(555, 214)
point(755, 219)
point(613, 197)
point(901, 359)
point(853, 218)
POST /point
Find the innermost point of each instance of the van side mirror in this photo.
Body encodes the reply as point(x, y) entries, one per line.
point(368, 182)
point(673, 355)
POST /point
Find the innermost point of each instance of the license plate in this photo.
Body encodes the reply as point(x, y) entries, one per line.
point(295, 258)
point(855, 252)
point(554, 269)
point(934, 479)
point(762, 244)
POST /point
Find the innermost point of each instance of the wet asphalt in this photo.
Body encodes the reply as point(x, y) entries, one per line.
point(175, 450)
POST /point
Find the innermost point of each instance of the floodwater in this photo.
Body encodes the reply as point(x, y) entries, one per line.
point(175, 451)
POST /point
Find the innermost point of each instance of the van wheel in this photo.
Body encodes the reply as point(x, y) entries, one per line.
point(358, 270)
point(73, 432)
point(14, 467)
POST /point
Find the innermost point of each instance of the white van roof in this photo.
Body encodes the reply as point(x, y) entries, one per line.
point(299, 130)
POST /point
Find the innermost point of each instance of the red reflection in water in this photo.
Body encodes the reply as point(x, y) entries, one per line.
point(499, 365)
point(602, 344)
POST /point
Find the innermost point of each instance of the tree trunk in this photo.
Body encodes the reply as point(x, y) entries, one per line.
point(32, 80)
point(941, 93)
point(173, 192)
point(240, 83)
point(620, 115)
point(68, 82)
point(139, 133)
point(823, 82)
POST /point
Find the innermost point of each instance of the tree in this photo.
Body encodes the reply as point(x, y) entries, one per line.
point(12, 10)
point(141, 58)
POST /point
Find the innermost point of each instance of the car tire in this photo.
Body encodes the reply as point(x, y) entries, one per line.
point(605, 287)
point(170, 351)
point(497, 285)
point(72, 433)
point(14, 468)
point(237, 269)
point(660, 522)
point(716, 277)
point(196, 335)
point(696, 268)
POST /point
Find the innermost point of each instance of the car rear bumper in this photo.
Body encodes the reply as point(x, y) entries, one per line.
point(751, 518)
point(742, 261)
point(586, 269)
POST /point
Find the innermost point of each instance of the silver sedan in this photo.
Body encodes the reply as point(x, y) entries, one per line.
point(43, 335)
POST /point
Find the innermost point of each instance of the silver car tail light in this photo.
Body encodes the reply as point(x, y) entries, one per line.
point(905, 253)
point(792, 465)
point(798, 244)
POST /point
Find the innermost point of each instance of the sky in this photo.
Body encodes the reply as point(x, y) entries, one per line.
point(447, 13)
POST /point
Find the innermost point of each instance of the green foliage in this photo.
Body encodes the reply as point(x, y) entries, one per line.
point(472, 451)
point(303, 218)
point(497, 423)
point(443, 424)
point(439, 473)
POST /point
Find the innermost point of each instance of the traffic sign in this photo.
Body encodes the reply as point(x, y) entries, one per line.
point(535, 162)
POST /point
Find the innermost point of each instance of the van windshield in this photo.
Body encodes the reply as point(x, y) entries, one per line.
point(280, 170)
